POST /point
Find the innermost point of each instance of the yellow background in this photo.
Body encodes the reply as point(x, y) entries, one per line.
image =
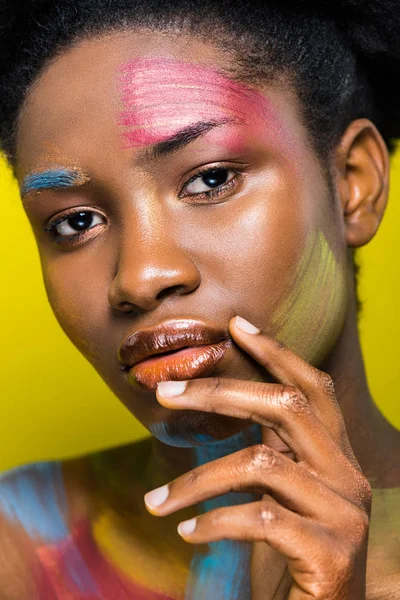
point(53, 402)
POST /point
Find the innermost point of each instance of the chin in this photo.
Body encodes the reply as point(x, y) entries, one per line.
point(194, 428)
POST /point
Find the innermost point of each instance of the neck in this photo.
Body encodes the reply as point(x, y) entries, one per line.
point(374, 440)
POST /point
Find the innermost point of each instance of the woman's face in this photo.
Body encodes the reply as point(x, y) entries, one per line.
point(268, 246)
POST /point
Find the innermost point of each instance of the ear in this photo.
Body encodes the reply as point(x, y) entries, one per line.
point(363, 170)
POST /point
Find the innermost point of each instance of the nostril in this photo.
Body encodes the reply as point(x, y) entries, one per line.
point(168, 291)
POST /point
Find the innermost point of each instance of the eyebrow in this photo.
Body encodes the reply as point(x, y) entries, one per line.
point(182, 138)
point(68, 178)
point(53, 179)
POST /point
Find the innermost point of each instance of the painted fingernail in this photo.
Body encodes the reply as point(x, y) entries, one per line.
point(187, 527)
point(246, 326)
point(169, 389)
point(156, 497)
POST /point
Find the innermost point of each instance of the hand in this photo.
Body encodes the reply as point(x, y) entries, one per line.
point(310, 528)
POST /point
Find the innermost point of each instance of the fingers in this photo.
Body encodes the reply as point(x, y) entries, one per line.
point(282, 408)
point(258, 469)
point(290, 369)
point(286, 366)
point(265, 520)
point(321, 561)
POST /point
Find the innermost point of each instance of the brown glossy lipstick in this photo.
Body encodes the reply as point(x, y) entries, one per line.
point(173, 350)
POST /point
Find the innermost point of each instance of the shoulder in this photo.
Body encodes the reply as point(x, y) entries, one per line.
point(39, 505)
point(33, 497)
point(45, 499)
point(29, 513)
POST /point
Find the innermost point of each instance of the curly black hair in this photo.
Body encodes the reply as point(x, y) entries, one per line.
point(341, 56)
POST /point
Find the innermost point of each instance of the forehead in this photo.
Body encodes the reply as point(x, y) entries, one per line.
point(136, 88)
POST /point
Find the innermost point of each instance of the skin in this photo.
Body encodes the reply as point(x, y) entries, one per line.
point(299, 386)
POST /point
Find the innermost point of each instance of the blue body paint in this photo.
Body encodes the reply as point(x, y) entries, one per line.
point(182, 439)
point(53, 178)
point(224, 572)
point(33, 496)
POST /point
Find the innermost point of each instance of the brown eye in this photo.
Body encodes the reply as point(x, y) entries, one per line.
point(74, 225)
point(77, 222)
point(212, 178)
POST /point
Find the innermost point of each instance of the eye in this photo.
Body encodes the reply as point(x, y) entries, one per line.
point(74, 225)
point(216, 178)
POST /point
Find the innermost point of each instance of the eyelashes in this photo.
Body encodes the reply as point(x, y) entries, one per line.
point(81, 221)
point(214, 175)
point(85, 218)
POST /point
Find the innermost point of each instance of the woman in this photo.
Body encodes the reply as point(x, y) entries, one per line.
point(198, 178)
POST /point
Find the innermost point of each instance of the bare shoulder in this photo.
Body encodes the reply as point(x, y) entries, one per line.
point(27, 514)
point(41, 502)
point(46, 499)
point(33, 497)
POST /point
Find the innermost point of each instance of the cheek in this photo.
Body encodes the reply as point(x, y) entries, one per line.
point(261, 238)
point(280, 270)
point(312, 309)
point(79, 302)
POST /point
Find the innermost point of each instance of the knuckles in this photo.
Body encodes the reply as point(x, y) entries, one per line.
point(325, 382)
point(267, 512)
point(288, 397)
point(293, 400)
point(262, 458)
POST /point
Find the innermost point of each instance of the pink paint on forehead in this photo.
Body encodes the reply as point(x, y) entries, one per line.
point(162, 95)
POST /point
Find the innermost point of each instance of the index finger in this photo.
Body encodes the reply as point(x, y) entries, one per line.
point(290, 369)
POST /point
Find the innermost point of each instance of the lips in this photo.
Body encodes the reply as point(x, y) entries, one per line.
point(173, 350)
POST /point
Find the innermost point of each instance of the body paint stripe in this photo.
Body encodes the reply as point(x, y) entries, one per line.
point(159, 94)
point(53, 179)
point(33, 496)
point(166, 434)
point(225, 571)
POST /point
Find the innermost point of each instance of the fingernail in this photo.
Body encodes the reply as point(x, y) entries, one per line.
point(246, 326)
point(169, 389)
point(187, 527)
point(156, 497)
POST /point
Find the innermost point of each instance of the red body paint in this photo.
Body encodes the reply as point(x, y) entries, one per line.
point(162, 95)
point(55, 584)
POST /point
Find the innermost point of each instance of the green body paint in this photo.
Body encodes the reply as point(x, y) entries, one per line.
point(304, 320)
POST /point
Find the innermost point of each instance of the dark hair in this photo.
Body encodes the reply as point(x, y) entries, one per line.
point(341, 56)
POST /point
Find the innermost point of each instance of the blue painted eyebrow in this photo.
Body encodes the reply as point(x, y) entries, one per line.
point(52, 179)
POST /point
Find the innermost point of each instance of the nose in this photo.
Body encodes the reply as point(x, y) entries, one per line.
point(150, 273)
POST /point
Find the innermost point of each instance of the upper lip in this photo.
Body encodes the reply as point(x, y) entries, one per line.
point(169, 335)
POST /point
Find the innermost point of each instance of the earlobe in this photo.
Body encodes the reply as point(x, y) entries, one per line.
point(363, 167)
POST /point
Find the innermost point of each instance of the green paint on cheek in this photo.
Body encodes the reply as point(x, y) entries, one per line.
point(310, 316)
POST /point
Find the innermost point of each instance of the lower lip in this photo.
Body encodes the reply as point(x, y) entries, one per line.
point(187, 363)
